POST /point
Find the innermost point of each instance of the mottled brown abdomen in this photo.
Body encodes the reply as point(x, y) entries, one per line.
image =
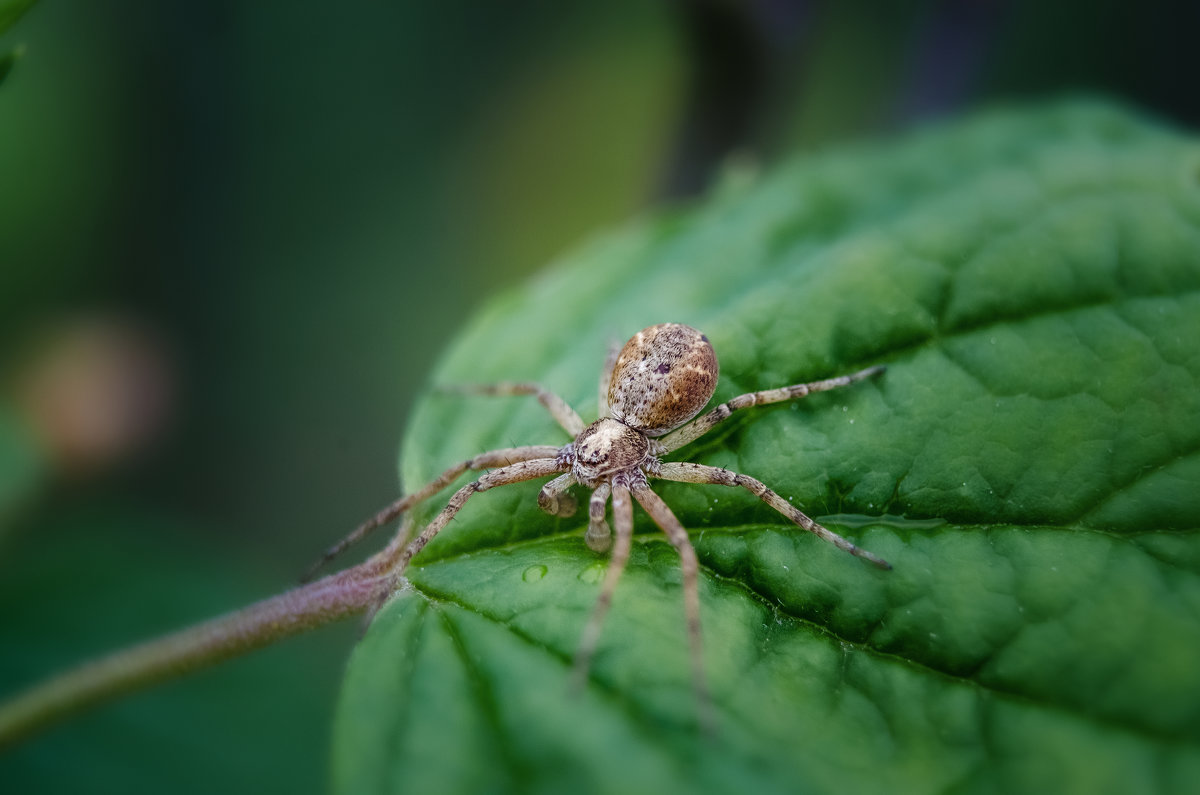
point(663, 377)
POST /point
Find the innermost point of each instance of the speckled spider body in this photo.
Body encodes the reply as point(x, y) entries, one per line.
point(651, 392)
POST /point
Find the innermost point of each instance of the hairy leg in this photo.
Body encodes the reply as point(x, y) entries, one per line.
point(493, 458)
point(706, 422)
point(610, 361)
point(562, 413)
point(698, 473)
point(690, 566)
point(514, 473)
point(623, 520)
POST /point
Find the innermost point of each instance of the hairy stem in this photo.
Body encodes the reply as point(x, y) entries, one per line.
point(338, 596)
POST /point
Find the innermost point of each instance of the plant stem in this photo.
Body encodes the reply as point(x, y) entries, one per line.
point(355, 590)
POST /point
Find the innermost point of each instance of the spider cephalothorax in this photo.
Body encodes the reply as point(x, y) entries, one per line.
point(609, 449)
point(651, 392)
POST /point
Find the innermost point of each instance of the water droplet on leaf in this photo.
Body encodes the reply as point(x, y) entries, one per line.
point(534, 573)
point(593, 573)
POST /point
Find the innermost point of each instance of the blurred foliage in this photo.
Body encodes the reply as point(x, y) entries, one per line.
point(11, 11)
point(7, 60)
point(258, 724)
point(22, 467)
point(300, 205)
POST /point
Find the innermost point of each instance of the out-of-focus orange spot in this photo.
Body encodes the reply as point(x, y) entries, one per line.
point(96, 391)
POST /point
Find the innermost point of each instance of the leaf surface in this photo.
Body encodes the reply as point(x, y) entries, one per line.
point(1028, 463)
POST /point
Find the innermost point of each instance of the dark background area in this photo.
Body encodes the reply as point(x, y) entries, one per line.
point(235, 236)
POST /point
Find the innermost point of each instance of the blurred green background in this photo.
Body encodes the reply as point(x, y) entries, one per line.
point(235, 236)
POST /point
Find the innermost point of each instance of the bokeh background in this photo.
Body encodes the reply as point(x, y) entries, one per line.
point(235, 236)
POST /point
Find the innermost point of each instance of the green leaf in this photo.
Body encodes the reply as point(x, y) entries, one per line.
point(1028, 463)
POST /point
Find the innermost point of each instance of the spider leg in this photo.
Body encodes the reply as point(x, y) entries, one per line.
point(706, 422)
point(563, 414)
point(493, 458)
point(623, 519)
point(698, 473)
point(690, 566)
point(554, 498)
point(514, 473)
point(599, 535)
point(610, 361)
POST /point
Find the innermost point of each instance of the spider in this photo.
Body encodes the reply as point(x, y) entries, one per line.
point(651, 391)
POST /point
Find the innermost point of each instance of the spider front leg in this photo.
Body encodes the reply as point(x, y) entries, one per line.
point(562, 413)
point(516, 473)
point(492, 458)
point(706, 422)
point(623, 520)
point(698, 473)
point(690, 567)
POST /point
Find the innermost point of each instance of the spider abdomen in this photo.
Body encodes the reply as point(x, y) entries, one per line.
point(663, 377)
